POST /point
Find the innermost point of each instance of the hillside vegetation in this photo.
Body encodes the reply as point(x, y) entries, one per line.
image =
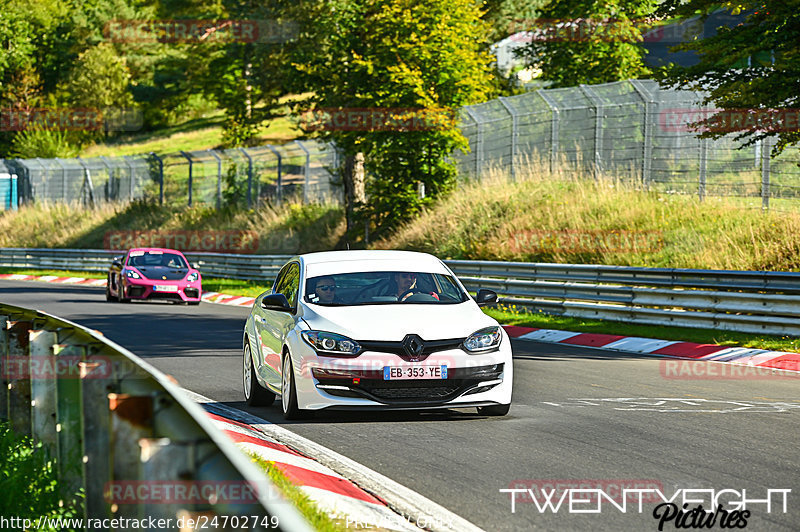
point(540, 218)
point(571, 219)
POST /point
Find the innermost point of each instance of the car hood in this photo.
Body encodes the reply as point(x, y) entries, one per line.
point(394, 322)
point(162, 273)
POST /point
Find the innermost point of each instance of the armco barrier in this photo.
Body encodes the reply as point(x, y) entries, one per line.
point(747, 301)
point(125, 433)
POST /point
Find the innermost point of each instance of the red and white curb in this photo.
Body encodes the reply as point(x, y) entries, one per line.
point(53, 279)
point(332, 492)
point(761, 358)
point(209, 297)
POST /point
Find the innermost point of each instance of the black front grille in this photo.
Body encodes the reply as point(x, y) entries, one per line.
point(191, 292)
point(416, 393)
point(396, 348)
point(135, 291)
point(371, 385)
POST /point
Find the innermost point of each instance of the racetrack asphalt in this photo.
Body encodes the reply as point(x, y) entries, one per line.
point(579, 416)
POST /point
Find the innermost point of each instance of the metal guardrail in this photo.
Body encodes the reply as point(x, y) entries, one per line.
point(227, 265)
point(747, 301)
point(117, 426)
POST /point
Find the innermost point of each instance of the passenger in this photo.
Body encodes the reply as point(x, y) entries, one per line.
point(325, 290)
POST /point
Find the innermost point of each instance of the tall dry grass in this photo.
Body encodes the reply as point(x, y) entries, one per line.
point(572, 218)
point(292, 228)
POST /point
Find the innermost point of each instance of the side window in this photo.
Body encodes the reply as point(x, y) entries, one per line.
point(289, 282)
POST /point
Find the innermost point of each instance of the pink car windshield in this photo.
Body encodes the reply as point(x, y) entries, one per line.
point(169, 260)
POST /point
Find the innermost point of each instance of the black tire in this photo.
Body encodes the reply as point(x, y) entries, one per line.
point(109, 297)
point(194, 302)
point(288, 391)
point(120, 293)
point(254, 393)
point(494, 410)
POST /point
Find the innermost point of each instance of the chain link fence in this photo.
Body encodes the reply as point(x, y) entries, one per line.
point(302, 170)
point(629, 128)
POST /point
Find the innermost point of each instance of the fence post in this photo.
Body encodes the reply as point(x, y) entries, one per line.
point(597, 144)
point(765, 171)
point(4, 363)
point(189, 158)
point(701, 189)
point(19, 385)
point(130, 176)
point(647, 144)
point(63, 180)
point(554, 123)
point(160, 177)
point(307, 170)
point(94, 388)
point(87, 180)
point(478, 141)
point(68, 417)
point(43, 389)
point(249, 177)
point(514, 135)
point(219, 177)
point(279, 195)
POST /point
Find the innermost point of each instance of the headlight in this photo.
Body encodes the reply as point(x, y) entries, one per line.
point(132, 274)
point(193, 277)
point(327, 343)
point(487, 339)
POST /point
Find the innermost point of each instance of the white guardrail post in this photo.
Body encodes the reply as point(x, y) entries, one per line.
point(125, 433)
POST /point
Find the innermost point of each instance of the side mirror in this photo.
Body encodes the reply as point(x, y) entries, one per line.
point(276, 302)
point(486, 297)
point(117, 261)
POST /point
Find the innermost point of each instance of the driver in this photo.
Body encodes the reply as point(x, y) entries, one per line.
point(405, 282)
point(407, 286)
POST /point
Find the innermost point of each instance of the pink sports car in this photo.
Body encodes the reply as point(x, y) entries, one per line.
point(153, 273)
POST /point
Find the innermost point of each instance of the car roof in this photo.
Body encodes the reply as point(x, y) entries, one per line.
point(332, 262)
point(163, 250)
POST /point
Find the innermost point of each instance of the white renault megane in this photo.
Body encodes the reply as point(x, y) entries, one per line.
point(374, 329)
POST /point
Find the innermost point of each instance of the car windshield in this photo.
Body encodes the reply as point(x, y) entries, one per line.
point(375, 288)
point(156, 258)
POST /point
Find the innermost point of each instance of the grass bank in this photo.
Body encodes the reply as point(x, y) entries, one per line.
point(569, 219)
point(292, 228)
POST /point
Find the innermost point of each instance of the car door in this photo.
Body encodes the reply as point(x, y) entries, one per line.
point(274, 325)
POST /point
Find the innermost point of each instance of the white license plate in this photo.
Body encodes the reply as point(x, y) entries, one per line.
point(396, 373)
point(165, 288)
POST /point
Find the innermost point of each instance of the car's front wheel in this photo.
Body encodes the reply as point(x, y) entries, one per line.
point(494, 410)
point(109, 297)
point(254, 393)
point(289, 390)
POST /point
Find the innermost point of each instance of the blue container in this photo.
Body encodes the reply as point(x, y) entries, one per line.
point(8, 191)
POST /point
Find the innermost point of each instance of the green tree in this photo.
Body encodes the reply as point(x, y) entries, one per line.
point(426, 58)
point(751, 66)
point(589, 41)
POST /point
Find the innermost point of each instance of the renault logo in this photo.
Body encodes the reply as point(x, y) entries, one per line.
point(164, 277)
point(413, 345)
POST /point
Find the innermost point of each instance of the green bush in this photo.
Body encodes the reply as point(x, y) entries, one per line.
point(28, 481)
